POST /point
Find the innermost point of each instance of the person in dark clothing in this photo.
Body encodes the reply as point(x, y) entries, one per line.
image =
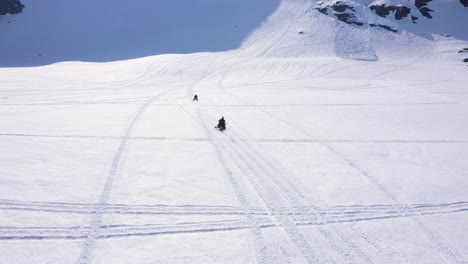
point(221, 124)
point(195, 98)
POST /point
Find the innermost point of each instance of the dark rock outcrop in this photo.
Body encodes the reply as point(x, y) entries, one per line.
point(464, 3)
point(384, 27)
point(383, 11)
point(342, 12)
point(323, 10)
point(422, 6)
point(403, 11)
point(10, 7)
point(341, 7)
point(345, 12)
point(348, 18)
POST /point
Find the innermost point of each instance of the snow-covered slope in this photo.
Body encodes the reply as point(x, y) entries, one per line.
point(315, 29)
point(344, 144)
point(53, 31)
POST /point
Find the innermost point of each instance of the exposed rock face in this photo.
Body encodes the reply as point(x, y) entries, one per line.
point(383, 11)
point(345, 11)
point(10, 7)
point(342, 11)
point(464, 3)
point(400, 11)
point(384, 27)
point(341, 7)
point(350, 11)
point(422, 6)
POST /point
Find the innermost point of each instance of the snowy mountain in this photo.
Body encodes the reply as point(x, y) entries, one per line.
point(359, 13)
point(52, 31)
point(346, 139)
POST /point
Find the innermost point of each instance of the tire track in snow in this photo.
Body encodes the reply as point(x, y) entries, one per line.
point(276, 140)
point(334, 237)
point(122, 231)
point(90, 241)
point(288, 225)
point(266, 254)
point(294, 234)
point(300, 215)
point(335, 211)
point(448, 251)
point(262, 252)
point(293, 196)
point(269, 198)
point(79, 208)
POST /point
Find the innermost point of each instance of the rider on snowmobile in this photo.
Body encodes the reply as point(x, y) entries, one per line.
point(221, 124)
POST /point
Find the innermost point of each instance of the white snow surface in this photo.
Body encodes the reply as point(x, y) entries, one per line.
point(344, 144)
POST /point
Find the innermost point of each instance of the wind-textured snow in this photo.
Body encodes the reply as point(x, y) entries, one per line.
point(344, 144)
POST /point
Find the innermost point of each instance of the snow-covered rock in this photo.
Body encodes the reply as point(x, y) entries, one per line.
point(345, 10)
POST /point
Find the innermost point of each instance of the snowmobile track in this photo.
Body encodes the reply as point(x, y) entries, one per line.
point(293, 196)
point(338, 213)
point(300, 215)
point(100, 208)
point(261, 250)
point(271, 196)
point(448, 251)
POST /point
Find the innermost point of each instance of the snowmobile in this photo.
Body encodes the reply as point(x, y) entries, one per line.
point(221, 125)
